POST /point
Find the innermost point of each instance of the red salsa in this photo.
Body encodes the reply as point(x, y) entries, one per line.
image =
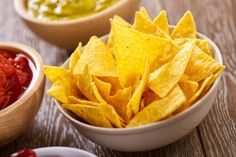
point(15, 76)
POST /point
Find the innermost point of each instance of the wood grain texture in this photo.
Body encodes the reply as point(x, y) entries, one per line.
point(215, 136)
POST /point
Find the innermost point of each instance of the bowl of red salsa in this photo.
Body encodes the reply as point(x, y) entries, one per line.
point(21, 88)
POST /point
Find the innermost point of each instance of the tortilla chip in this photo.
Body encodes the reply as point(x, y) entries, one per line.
point(75, 56)
point(104, 88)
point(77, 100)
point(212, 80)
point(159, 109)
point(162, 22)
point(201, 65)
point(134, 102)
point(114, 81)
point(91, 114)
point(144, 12)
point(118, 19)
point(63, 88)
point(202, 44)
point(99, 59)
point(84, 83)
point(120, 100)
point(189, 88)
point(165, 78)
point(185, 28)
point(145, 25)
point(54, 73)
point(202, 85)
point(111, 115)
point(133, 49)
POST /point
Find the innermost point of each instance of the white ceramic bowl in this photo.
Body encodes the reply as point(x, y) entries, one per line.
point(68, 33)
point(153, 135)
point(17, 117)
point(61, 152)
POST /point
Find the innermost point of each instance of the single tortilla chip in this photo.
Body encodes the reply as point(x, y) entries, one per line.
point(133, 49)
point(166, 77)
point(63, 88)
point(161, 21)
point(202, 44)
point(134, 102)
point(54, 73)
point(104, 88)
point(212, 80)
point(159, 109)
point(201, 65)
point(185, 28)
point(144, 12)
point(77, 100)
point(121, 21)
point(114, 81)
point(111, 114)
point(202, 85)
point(91, 114)
point(75, 56)
point(149, 96)
point(84, 83)
point(189, 88)
point(99, 59)
point(145, 25)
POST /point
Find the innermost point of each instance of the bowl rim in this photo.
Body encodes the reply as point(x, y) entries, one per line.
point(21, 10)
point(152, 126)
point(37, 79)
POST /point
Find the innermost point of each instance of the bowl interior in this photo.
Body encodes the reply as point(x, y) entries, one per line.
point(218, 57)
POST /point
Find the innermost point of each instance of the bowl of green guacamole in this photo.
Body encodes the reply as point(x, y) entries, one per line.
point(65, 23)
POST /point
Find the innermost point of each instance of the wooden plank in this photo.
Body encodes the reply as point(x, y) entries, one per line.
point(50, 128)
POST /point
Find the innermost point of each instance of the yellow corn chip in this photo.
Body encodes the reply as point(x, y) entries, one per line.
point(99, 59)
point(164, 79)
point(159, 109)
point(185, 28)
point(53, 73)
point(202, 84)
point(111, 115)
point(133, 49)
point(201, 65)
point(104, 88)
point(75, 56)
point(134, 102)
point(76, 100)
point(145, 25)
point(215, 76)
point(188, 87)
point(63, 88)
point(162, 22)
point(117, 19)
point(202, 44)
point(114, 81)
point(84, 83)
point(91, 114)
point(144, 12)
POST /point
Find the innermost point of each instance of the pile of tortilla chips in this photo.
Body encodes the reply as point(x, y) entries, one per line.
point(143, 74)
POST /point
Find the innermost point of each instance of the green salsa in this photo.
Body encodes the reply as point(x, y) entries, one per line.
point(65, 9)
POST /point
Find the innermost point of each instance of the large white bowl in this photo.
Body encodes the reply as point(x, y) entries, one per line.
point(67, 34)
point(153, 135)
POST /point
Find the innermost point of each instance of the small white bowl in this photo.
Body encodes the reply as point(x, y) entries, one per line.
point(155, 135)
point(61, 152)
point(68, 33)
point(17, 117)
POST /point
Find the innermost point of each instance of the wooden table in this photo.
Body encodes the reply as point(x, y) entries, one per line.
point(215, 136)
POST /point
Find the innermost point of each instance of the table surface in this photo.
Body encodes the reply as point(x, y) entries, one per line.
point(215, 136)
